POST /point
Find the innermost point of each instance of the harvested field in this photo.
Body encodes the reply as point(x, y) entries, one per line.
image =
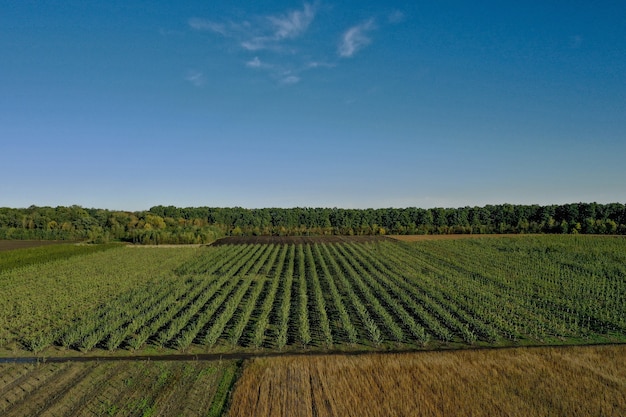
point(294, 240)
point(574, 381)
point(116, 388)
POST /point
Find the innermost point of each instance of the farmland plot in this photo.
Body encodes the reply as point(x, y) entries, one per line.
point(342, 295)
point(530, 382)
point(182, 388)
point(38, 300)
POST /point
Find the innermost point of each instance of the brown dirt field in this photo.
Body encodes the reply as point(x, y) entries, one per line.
point(167, 246)
point(288, 240)
point(530, 382)
point(24, 244)
point(419, 238)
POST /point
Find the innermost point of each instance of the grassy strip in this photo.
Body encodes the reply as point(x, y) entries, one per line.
point(223, 390)
point(23, 257)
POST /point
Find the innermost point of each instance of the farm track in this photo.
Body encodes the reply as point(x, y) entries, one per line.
point(236, 356)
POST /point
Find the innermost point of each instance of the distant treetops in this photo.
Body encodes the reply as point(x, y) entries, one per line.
point(169, 224)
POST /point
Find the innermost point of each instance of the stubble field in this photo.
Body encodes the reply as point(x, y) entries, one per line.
point(540, 382)
point(117, 388)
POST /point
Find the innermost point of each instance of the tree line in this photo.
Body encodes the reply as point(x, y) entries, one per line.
point(169, 224)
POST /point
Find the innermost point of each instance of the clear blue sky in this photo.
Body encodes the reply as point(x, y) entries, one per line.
point(355, 104)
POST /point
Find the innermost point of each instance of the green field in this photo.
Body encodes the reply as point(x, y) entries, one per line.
point(92, 315)
point(319, 295)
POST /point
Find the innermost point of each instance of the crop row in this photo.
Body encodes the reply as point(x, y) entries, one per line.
point(274, 296)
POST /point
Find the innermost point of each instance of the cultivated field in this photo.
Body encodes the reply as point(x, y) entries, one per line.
point(49, 293)
point(347, 295)
point(120, 388)
point(528, 382)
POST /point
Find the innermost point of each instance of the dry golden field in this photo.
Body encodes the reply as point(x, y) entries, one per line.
point(565, 381)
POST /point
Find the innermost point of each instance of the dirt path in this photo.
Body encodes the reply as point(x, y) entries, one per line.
point(253, 355)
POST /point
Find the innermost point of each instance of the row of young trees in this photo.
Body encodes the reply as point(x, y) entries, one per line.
point(338, 294)
point(169, 224)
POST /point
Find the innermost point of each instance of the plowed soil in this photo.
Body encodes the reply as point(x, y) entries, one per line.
point(289, 240)
point(23, 244)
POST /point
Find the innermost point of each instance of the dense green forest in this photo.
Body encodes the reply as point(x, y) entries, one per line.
point(169, 224)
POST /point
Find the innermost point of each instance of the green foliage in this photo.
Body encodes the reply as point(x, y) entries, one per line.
point(201, 225)
point(277, 258)
point(529, 289)
point(223, 390)
point(56, 299)
point(285, 306)
point(42, 254)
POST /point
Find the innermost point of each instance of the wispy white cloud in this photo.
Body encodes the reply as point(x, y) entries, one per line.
point(319, 64)
point(207, 25)
point(396, 16)
point(290, 80)
point(227, 29)
point(293, 24)
point(266, 32)
point(272, 33)
point(196, 78)
point(255, 44)
point(355, 38)
point(280, 28)
point(256, 63)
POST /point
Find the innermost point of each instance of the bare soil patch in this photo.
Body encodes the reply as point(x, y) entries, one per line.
point(167, 246)
point(24, 244)
point(295, 240)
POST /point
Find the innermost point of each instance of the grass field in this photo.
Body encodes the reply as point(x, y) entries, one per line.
point(529, 382)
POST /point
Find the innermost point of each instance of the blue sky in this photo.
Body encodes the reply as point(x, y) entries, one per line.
point(130, 104)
